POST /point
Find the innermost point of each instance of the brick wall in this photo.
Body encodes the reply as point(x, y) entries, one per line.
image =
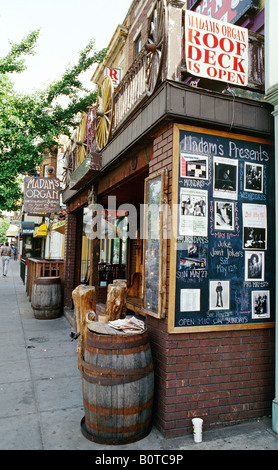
point(223, 377)
point(70, 255)
point(139, 24)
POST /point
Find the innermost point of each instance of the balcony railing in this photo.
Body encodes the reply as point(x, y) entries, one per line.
point(131, 90)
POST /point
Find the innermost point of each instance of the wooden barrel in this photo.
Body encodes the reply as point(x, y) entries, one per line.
point(46, 297)
point(118, 384)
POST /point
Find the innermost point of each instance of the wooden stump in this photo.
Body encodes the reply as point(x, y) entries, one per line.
point(123, 283)
point(84, 299)
point(116, 302)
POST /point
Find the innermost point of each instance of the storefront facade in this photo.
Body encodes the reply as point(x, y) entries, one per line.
point(186, 183)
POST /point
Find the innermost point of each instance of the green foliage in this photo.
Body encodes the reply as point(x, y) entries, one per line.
point(30, 123)
point(4, 225)
point(13, 62)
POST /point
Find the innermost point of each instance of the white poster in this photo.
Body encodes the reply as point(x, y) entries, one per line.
point(193, 212)
point(254, 226)
point(216, 50)
point(190, 300)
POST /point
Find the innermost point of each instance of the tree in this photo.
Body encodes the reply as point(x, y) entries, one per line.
point(4, 225)
point(32, 123)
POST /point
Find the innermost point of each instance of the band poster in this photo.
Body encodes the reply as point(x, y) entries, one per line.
point(222, 262)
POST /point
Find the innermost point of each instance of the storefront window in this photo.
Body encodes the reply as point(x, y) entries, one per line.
point(113, 248)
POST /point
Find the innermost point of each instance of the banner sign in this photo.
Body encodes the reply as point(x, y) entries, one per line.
point(216, 50)
point(41, 195)
point(27, 228)
point(226, 10)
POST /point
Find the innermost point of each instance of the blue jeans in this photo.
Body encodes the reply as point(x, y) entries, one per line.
point(5, 263)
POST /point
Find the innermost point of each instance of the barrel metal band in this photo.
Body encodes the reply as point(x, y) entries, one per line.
point(110, 376)
point(114, 429)
point(99, 410)
point(96, 343)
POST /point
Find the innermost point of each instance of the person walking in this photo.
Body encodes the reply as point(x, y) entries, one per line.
point(6, 253)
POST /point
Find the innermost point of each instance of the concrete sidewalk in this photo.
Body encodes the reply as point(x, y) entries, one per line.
point(41, 402)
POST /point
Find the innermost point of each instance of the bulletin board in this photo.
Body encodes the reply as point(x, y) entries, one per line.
point(222, 271)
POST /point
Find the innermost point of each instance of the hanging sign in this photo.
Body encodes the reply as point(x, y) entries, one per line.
point(41, 195)
point(115, 75)
point(216, 50)
point(226, 10)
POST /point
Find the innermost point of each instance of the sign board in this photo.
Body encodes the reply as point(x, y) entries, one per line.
point(27, 228)
point(41, 195)
point(226, 10)
point(40, 231)
point(115, 74)
point(216, 50)
point(222, 268)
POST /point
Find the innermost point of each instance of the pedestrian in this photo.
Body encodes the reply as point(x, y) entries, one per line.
point(6, 253)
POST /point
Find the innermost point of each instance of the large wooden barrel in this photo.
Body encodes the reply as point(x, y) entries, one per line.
point(46, 298)
point(118, 386)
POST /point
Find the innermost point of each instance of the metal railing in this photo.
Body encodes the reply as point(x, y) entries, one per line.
point(131, 90)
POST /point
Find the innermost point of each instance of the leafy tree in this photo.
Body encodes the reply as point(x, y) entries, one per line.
point(30, 124)
point(4, 225)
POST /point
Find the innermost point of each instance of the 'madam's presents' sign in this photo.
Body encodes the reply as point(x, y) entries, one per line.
point(216, 50)
point(41, 195)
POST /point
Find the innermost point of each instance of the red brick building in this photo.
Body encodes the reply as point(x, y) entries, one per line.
point(202, 149)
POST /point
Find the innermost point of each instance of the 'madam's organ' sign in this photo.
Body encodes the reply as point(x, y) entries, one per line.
point(41, 195)
point(216, 50)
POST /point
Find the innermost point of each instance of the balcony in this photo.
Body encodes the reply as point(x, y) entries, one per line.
point(132, 90)
point(159, 66)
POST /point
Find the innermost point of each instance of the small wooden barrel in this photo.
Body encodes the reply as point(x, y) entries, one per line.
point(118, 385)
point(46, 298)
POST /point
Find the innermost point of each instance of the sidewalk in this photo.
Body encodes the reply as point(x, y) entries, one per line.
point(41, 402)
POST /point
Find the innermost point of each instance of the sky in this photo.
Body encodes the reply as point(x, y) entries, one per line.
point(66, 26)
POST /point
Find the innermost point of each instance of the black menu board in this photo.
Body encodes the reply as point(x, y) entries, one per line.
point(222, 273)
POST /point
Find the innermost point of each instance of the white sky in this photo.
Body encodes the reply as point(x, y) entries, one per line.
point(67, 26)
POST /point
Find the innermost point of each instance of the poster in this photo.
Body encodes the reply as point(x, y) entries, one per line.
point(225, 178)
point(193, 212)
point(216, 50)
point(190, 300)
point(254, 226)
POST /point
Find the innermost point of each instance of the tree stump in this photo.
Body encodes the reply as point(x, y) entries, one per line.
point(116, 302)
point(84, 299)
point(123, 283)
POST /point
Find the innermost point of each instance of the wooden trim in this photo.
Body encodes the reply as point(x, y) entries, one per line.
point(163, 247)
point(173, 256)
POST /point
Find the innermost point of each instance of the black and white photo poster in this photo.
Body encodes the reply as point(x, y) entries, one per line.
point(225, 184)
point(260, 304)
point(219, 295)
point(254, 226)
point(193, 212)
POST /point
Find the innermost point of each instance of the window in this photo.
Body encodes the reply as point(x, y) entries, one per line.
point(138, 45)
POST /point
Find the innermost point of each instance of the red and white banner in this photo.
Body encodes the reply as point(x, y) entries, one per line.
point(216, 50)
